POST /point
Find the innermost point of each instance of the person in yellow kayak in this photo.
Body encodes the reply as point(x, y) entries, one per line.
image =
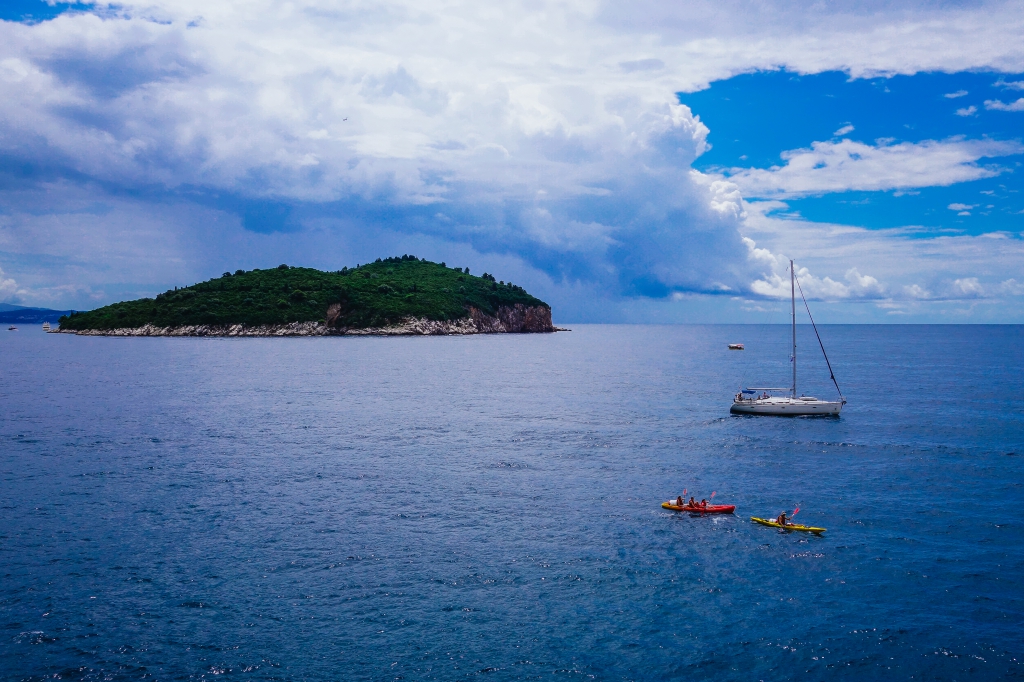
point(781, 520)
point(679, 501)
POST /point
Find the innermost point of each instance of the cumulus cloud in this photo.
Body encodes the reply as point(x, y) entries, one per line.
point(849, 165)
point(581, 171)
point(774, 282)
point(999, 105)
point(906, 266)
point(916, 291)
point(10, 292)
point(963, 289)
point(967, 111)
point(1009, 85)
point(968, 287)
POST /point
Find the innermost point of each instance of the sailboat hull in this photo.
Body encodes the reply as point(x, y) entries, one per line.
point(787, 407)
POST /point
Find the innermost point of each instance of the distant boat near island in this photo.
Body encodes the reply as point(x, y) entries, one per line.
point(763, 401)
point(735, 346)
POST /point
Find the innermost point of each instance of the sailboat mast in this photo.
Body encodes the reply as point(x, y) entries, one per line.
point(792, 294)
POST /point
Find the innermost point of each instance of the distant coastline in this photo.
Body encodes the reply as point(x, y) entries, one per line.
point(16, 314)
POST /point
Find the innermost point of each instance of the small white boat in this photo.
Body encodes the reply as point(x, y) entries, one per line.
point(735, 346)
point(764, 401)
point(46, 326)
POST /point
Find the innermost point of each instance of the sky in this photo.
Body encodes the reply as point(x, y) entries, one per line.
point(648, 162)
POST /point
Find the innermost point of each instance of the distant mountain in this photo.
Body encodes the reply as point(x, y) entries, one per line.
point(16, 314)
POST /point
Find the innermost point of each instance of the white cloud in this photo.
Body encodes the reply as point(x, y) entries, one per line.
point(968, 287)
point(1012, 287)
point(847, 165)
point(1009, 85)
point(916, 291)
point(845, 130)
point(999, 105)
point(961, 207)
point(954, 95)
point(864, 286)
point(967, 111)
point(10, 292)
point(909, 266)
point(258, 89)
point(775, 282)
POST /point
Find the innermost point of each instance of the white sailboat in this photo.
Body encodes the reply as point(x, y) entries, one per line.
point(764, 400)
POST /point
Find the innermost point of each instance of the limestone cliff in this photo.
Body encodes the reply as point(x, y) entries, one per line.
point(515, 319)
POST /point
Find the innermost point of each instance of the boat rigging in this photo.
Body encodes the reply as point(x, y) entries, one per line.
point(764, 401)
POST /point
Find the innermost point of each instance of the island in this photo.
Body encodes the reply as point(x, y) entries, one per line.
point(402, 295)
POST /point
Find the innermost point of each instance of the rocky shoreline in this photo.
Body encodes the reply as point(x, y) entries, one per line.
point(516, 319)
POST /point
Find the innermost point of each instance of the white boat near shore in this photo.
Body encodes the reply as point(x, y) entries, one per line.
point(765, 401)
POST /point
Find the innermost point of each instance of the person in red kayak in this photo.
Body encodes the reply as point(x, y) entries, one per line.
point(703, 504)
point(691, 503)
point(782, 519)
point(679, 501)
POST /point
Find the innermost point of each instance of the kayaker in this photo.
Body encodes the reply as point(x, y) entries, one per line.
point(679, 501)
point(782, 519)
point(703, 504)
point(691, 503)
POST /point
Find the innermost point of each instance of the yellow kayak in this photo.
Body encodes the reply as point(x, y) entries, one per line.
point(788, 526)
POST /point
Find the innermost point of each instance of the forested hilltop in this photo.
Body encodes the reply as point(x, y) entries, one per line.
point(374, 295)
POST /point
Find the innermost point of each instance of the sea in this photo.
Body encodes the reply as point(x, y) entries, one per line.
point(489, 507)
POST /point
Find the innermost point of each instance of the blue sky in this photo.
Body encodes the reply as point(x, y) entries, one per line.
point(37, 10)
point(660, 164)
point(756, 117)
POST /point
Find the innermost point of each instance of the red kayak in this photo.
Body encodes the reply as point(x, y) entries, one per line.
point(710, 509)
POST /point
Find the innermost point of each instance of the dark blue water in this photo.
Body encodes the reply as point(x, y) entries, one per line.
point(488, 507)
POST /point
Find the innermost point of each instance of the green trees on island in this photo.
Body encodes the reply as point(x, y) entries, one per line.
point(371, 295)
